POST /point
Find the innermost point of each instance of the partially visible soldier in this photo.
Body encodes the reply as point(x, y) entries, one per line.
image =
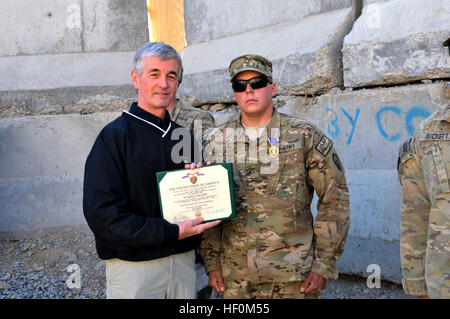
point(273, 248)
point(197, 121)
point(424, 170)
point(186, 116)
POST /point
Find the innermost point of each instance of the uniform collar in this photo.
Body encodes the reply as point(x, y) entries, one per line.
point(273, 126)
point(447, 114)
point(442, 113)
point(273, 123)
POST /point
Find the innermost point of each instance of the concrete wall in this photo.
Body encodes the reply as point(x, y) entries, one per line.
point(395, 42)
point(59, 59)
point(305, 53)
point(68, 47)
point(208, 20)
point(70, 26)
point(367, 127)
point(41, 169)
point(307, 61)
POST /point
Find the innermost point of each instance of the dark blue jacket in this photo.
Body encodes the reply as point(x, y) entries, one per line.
point(120, 195)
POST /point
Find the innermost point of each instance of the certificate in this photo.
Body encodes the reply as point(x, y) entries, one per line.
point(206, 192)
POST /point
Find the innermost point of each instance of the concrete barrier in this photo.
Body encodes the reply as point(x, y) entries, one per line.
point(40, 27)
point(78, 100)
point(41, 169)
point(208, 20)
point(305, 56)
point(71, 26)
point(39, 72)
point(68, 56)
point(396, 42)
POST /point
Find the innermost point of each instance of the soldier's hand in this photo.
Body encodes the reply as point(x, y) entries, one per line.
point(216, 280)
point(187, 228)
point(313, 283)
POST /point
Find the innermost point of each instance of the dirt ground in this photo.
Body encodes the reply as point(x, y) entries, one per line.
point(37, 267)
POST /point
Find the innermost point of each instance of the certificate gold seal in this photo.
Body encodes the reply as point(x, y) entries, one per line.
point(198, 214)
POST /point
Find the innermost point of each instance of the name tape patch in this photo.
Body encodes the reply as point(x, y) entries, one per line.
point(438, 136)
point(289, 147)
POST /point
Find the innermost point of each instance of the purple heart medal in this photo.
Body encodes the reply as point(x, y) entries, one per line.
point(273, 150)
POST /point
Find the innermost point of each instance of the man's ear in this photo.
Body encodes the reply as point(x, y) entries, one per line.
point(135, 79)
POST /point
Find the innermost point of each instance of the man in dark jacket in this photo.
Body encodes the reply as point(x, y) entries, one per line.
point(146, 256)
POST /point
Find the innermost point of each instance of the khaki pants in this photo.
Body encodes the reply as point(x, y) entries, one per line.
point(172, 277)
point(243, 289)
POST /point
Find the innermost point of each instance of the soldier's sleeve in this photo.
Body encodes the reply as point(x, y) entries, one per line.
point(327, 176)
point(208, 121)
point(210, 248)
point(212, 145)
point(211, 243)
point(414, 221)
point(201, 124)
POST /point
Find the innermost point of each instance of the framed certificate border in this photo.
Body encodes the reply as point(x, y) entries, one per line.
point(229, 173)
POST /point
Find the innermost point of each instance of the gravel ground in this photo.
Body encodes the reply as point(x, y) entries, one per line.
point(36, 267)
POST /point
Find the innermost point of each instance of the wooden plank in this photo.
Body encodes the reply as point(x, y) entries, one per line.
point(167, 22)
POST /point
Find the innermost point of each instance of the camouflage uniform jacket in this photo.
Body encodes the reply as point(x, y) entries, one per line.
point(273, 238)
point(424, 168)
point(186, 116)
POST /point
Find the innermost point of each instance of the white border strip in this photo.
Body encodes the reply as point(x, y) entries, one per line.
point(165, 132)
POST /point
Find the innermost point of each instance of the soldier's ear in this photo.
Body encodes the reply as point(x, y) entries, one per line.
point(274, 89)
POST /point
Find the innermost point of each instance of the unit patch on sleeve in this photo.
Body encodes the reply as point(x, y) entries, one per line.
point(337, 162)
point(324, 146)
point(404, 153)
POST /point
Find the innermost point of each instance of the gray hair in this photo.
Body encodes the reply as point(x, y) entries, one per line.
point(160, 50)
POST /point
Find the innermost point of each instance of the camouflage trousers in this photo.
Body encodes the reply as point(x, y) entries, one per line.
point(243, 289)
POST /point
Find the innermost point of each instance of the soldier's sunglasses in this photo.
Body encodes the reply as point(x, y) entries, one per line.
point(255, 83)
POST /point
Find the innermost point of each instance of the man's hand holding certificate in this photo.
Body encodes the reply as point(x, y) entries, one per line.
point(194, 227)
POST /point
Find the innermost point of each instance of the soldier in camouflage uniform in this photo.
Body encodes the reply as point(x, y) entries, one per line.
point(273, 248)
point(423, 169)
point(186, 116)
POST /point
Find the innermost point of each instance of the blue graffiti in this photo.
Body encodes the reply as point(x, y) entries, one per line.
point(352, 123)
point(334, 134)
point(413, 113)
point(416, 111)
point(397, 111)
